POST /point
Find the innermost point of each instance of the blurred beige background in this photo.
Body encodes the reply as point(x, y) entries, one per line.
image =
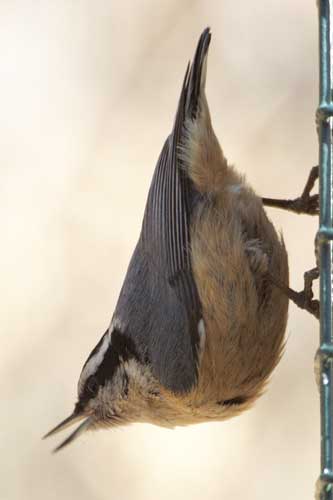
point(88, 92)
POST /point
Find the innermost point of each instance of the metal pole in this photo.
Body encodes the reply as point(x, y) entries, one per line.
point(324, 247)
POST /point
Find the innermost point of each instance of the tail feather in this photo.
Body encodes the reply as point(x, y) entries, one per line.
point(194, 141)
point(197, 75)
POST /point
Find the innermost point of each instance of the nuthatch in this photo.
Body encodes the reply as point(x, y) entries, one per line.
point(199, 325)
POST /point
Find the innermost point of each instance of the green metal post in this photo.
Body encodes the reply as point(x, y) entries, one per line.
point(324, 247)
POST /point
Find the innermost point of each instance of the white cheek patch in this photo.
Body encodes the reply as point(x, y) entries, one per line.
point(138, 373)
point(95, 360)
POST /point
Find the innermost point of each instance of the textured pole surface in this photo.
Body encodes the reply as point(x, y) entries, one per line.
point(324, 240)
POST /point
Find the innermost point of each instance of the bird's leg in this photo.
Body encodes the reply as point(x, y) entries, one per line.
point(303, 299)
point(304, 204)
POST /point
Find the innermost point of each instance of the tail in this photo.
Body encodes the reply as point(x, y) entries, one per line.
point(195, 86)
point(199, 152)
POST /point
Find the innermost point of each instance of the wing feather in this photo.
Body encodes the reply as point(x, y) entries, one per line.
point(159, 302)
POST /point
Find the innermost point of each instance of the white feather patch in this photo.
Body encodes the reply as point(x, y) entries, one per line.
point(96, 359)
point(202, 336)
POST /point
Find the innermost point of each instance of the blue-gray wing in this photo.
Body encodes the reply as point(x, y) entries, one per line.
point(159, 302)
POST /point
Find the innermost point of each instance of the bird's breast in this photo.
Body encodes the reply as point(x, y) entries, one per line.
point(244, 316)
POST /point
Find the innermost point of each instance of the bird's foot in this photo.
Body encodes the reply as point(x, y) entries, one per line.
point(303, 299)
point(304, 204)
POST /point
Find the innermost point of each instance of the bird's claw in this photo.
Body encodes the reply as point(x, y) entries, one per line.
point(303, 299)
point(304, 204)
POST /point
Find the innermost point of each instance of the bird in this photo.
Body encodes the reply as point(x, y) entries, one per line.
point(199, 326)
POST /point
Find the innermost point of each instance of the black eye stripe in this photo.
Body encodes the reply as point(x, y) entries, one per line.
point(92, 385)
point(121, 348)
point(123, 345)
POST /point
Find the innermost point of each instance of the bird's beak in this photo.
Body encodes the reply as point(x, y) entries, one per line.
point(74, 417)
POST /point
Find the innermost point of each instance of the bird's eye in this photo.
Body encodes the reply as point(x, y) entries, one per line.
point(92, 385)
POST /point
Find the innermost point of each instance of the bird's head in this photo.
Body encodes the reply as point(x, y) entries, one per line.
point(115, 388)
